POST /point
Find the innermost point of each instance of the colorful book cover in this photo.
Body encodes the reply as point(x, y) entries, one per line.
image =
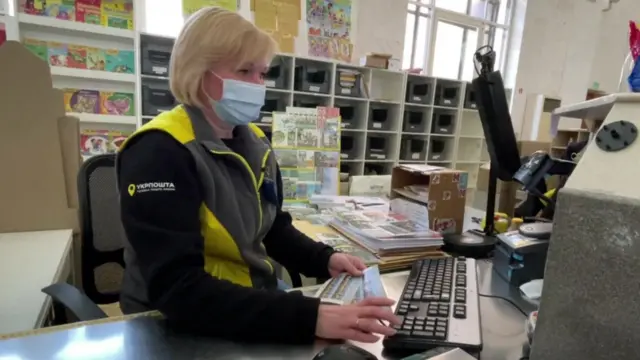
point(88, 11)
point(96, 59)
point(120, 61)
point(116, 139)
point(37, 47)
point(117, 14)
point(94, 142)
point(77, 57)
point(60, 9)
point(82, 101)
point(57, 53)
point(116, 103)
point(32, 7)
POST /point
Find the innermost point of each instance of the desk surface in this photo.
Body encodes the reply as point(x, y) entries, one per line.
point(148, 338)
point(29, 261)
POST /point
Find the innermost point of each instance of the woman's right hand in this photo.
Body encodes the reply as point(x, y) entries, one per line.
point(359, 322)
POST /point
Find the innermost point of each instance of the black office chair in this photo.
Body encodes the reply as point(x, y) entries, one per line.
point(102, 254)
point(103, 239)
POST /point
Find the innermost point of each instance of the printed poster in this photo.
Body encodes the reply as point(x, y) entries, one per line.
point(306, 143)
point(191, 6)
point(329, 29)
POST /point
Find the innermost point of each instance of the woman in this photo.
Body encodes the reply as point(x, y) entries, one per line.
point(201, 198)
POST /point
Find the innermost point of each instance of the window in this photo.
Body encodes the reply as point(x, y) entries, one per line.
point(163, 20)
point(497, 38)
point(447, 54)
point(453, 5)
point(415, 37)
point(445, 49)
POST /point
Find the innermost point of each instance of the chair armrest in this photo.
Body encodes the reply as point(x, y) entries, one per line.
point(296, 279)
point(75, 301)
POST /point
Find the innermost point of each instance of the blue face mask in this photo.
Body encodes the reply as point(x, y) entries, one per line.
point(240, 103)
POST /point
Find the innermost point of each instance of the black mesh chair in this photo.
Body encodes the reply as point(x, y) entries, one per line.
point(102, 262)
point(103, 239)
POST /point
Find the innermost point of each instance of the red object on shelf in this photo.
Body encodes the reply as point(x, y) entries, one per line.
point(3, 34)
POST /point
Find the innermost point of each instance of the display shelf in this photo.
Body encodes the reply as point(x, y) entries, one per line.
point(105, 119)
point(45, 23)
point(49, 37)
point(92, 75)
point(388, 117)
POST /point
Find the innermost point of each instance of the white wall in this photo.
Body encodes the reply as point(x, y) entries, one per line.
point(378, 25)
point(559, 44)
point(613, 44)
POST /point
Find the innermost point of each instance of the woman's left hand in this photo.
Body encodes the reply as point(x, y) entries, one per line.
point(340, 263)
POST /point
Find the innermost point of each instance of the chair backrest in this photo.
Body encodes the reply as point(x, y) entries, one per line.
point(103, 236)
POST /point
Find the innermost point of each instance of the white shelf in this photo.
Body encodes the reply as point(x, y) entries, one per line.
point(52, 23)
point(462, 143)
point(105, 119)
point(92, 74)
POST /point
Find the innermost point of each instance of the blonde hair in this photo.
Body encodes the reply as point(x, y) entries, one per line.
point(209, 36)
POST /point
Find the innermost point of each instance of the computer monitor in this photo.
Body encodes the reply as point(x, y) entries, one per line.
point(496, 124)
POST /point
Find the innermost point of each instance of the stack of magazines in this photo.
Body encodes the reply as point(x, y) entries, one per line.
point(385, 233)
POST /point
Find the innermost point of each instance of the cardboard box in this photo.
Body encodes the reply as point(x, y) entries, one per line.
point(376, 60)
point(440, 203)
point(507, 191)
point(39, 147)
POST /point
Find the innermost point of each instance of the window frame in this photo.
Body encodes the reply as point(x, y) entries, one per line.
point(487, 29)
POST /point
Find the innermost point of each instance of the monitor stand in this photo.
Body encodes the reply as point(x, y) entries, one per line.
point(477, 244)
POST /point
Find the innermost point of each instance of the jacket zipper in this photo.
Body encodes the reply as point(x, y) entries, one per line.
point(257, 183)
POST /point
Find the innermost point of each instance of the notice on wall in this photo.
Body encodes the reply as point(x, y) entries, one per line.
point(191, 6)
point(329, 29)
point(280, 18)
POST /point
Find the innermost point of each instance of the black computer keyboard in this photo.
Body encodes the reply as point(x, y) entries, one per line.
point(439, 306)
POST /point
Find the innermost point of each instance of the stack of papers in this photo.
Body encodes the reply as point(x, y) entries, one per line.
point(384, 233)
point(349, 202)
point(346, 246)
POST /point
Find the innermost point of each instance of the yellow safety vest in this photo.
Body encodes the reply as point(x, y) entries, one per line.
point(234, 215)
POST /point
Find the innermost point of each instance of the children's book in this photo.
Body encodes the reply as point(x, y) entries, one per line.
point(37, 47)
point(96, 59)
point(120, 61)
point(77, 57)
point(88, 11)
point(82, 101)
point(117, 103)
point(57, 53)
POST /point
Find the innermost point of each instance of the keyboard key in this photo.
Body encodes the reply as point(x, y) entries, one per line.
point(429, 328)
point(460, 312)
point(423, 334)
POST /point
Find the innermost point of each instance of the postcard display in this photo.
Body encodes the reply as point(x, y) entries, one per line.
point(307, 145)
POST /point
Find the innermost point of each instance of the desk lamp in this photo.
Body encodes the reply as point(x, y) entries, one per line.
point(503, 151)
point(589, 307)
